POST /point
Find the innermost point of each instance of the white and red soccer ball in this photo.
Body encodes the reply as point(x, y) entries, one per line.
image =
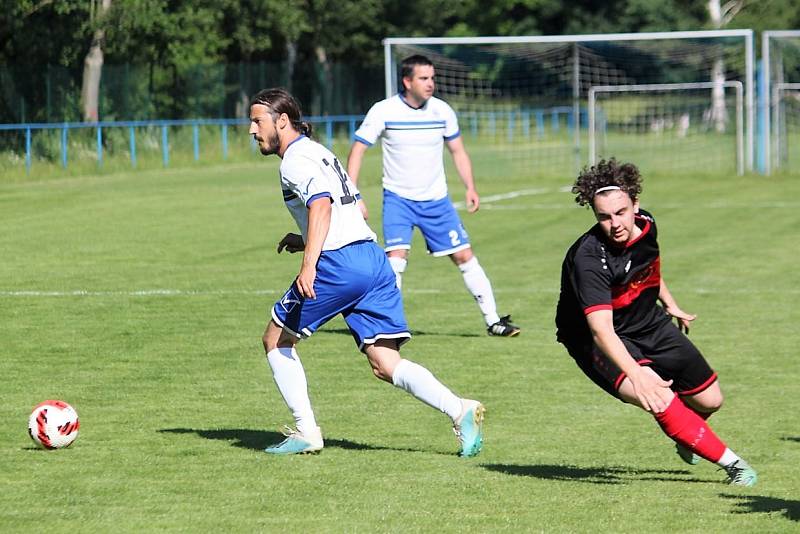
point(53, 424)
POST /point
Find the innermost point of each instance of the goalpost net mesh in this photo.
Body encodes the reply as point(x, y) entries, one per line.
point(522, 106)
point(670, 126)
point(784, 82)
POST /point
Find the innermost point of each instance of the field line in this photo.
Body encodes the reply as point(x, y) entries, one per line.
point(488, 199)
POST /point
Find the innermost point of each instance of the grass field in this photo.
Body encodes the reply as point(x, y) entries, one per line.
point(140, 299)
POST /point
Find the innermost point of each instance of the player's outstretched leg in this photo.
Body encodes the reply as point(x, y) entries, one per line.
point(692, 432)
point(467, 415)
point(290, 377)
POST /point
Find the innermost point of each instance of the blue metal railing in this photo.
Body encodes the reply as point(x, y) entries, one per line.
point(484, 120)
point(329, 122)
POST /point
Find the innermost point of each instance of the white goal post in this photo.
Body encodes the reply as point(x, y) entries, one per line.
point(525, 98)
point(678, 119)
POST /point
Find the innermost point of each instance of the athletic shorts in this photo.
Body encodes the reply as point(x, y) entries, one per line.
point(356, 281)
point(666, 350)
point(436, 219)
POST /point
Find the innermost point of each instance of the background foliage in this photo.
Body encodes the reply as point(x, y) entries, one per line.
point(158, 51)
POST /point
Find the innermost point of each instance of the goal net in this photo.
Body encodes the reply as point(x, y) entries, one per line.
point(781, 53)
point(522, 102)
point(669, 126)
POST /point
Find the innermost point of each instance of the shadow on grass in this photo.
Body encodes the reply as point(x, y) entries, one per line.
point(258, 440)
point(791, 438)
point(592, 475)
point(753, 504)
point(345, 331)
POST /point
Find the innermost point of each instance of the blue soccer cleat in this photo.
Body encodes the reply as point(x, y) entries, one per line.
point(740, 474)
point(468, 428)
point(297, 442)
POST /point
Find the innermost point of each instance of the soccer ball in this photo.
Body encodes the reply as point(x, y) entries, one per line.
point(53, 424)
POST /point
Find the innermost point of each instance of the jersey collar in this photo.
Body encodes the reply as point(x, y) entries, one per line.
point(402, 97)
point(296, 139)
point(645, 229)
point(299, 137)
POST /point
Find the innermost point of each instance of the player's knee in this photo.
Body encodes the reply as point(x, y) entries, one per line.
point(707, 402)
point(714, 404)
point(381, 374)
point(274, 336)
point(383, 357)
point(462, 257)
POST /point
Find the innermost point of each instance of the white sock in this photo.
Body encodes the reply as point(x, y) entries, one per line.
point(421, 383)
point(478, 284)
point(728, 457)
point(398, 266)
point(290, 377)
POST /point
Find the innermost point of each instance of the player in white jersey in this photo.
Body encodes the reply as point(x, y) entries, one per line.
point(343, 272)
point(413, 127)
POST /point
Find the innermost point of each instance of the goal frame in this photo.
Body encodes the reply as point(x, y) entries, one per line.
point(659, 87)
point(390, 72)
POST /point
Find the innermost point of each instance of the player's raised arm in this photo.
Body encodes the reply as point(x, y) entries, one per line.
point(464, 167)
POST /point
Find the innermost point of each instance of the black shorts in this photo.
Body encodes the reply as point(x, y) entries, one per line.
point(666, 350)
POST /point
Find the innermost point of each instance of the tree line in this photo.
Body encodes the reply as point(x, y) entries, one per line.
point(169, 45)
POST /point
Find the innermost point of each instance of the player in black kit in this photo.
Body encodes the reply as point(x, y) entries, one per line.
point(609, 320)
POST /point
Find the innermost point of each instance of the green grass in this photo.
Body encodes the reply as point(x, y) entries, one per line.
point(161, 357)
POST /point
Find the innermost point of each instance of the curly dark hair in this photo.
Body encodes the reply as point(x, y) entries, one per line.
point(607, 173)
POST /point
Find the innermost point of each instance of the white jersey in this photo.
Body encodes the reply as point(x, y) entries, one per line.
point(310, 171)
point(412, 140)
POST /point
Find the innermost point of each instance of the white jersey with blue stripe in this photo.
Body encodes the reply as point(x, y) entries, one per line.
point(412, 140)
point(310, 171)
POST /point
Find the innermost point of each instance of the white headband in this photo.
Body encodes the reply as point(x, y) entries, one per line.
point(608, 188)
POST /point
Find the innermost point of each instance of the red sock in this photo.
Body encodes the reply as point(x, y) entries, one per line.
point(689, 429)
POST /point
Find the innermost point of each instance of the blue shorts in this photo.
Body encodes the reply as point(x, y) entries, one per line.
point(436, 219)
point(356, 281)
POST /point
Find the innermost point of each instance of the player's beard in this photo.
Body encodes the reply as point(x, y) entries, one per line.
point(273, 143)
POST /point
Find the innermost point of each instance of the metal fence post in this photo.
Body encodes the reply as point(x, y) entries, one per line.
point(64, 146)
point(196, 141)
point(133, 146)
point(165, 145)
point(27, 150)
point(99, 146)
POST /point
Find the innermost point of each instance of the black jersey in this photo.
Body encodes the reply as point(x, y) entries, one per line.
point(597, 275)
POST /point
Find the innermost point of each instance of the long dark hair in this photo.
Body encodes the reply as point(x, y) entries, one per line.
point(278, 100)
